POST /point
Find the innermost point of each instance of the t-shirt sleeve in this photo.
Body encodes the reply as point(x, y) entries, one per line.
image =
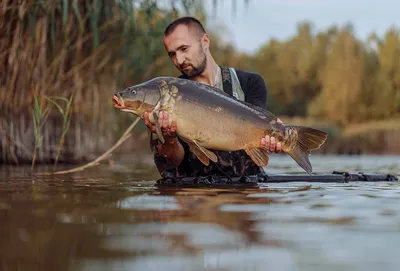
point(254, 87)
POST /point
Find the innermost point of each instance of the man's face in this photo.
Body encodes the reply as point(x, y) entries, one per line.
point(186, 50)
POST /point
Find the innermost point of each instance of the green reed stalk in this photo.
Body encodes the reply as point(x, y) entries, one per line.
point(66, 114)
point(39, 118)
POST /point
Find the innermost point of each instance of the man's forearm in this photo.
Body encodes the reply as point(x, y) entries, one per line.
point(172, 150)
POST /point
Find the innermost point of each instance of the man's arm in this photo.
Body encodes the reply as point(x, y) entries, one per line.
point(256, 91)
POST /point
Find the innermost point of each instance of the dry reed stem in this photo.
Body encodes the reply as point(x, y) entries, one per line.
point(102, 157)
point(17, 143)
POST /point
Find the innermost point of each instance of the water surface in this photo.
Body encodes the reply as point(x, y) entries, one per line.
point(114, 217)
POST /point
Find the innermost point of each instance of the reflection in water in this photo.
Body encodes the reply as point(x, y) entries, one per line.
point(104, 220)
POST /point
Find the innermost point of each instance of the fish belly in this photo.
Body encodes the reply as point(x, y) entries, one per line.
point(215, 128)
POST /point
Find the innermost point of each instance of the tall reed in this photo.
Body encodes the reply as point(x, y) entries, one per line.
point(66, 115)
point(40, 115)
point(88, 48)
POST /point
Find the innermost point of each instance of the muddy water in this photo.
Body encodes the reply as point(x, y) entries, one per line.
point(115, 218)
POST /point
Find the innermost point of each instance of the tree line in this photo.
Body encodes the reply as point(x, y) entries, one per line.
point(331, 74)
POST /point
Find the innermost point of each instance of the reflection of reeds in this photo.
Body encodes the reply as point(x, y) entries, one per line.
point(88, 48)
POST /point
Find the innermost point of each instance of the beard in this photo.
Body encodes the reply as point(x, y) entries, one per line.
point(198, 69)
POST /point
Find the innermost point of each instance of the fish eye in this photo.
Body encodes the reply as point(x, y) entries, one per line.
point(133, 91)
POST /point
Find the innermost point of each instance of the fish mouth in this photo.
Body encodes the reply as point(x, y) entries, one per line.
point(118, 102)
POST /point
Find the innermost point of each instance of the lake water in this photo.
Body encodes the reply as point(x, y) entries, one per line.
point(114, 217)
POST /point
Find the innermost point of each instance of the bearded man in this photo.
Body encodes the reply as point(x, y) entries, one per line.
point(188, 46)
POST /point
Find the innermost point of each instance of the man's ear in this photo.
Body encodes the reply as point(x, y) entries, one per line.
point(205, 41)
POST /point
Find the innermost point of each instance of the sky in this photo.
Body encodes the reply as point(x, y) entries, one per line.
point(266, 19)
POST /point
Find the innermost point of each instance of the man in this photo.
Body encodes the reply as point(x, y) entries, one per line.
point(188, 46)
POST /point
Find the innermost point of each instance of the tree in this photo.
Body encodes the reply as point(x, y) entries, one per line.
point(388, 96)
point(342, 81)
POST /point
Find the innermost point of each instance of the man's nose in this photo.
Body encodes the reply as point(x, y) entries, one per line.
point(180, 58)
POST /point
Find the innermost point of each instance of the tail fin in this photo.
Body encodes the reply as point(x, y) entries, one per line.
point(308, 139)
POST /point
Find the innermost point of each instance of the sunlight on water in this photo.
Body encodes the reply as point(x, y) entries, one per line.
point(113, 218)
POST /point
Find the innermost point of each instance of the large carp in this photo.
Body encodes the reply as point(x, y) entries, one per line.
point(209, 119)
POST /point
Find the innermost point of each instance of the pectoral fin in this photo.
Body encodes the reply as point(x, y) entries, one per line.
point(158, 129)
point(201, 153)
point(207, 152)
point(258, 156)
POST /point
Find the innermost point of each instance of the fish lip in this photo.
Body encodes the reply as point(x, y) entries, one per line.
point(118, 102)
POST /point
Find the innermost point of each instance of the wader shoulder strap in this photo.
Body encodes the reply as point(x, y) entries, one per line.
point(226, 80)
point(236, 86)
point(231, 83)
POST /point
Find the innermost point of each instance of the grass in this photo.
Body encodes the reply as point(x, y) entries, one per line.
point(66, 115)
point(371, 126)
point(40, 115)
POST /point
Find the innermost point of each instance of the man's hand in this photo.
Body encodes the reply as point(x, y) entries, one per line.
point(269, 143)
point(168, 131)
point(172, 149)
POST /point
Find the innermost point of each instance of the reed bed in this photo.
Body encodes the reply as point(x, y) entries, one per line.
point(80, 51)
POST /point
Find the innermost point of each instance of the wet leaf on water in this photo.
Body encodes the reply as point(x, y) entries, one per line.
point(334, 221)
point(321, 205)
point(371, 196)
point(301, 188)
point(388, 213)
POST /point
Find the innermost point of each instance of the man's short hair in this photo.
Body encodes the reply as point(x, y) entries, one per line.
point(188, 21)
